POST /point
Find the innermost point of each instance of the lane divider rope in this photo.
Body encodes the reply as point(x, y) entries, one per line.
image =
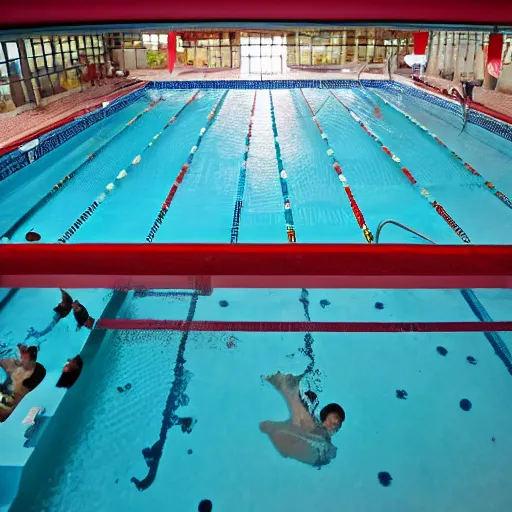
point(185, 167)
point(423, 191)
point(358, 214)
point(489, 185)
point(283, 177)
point(300, 326)
point(87, 213)
point(58, 187)
point(241, 179)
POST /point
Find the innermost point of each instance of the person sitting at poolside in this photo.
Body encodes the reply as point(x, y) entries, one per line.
point(23, 376)
point(82, 316)
point(70, 372)
point(302, 437)
point(62, 310)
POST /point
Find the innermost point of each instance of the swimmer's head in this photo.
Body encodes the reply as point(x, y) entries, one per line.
point(332, 416)
point(32, 236)
point(28, 356)
point(70, 372)
point(73, 365)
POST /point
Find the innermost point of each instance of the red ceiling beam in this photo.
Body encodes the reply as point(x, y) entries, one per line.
point(63, 12)
point(254, 266)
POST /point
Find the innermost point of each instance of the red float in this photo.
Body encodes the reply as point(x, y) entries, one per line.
point(254, 266)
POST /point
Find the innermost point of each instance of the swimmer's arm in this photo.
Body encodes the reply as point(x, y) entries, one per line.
point(7, 364)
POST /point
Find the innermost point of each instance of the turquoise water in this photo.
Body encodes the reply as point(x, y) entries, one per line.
point(202, 210)
point(439, 456)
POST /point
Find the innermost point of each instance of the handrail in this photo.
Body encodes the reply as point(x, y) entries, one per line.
point(400, 225)
point(463, 99)
point(359, 74)
point(390, 78)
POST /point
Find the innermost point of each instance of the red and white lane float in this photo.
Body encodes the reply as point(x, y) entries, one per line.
point(358, 214)
point(422, 190)
point(488, 184)
point(110, 187)
point(165, 206)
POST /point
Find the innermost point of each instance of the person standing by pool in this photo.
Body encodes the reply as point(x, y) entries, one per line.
point(302, 437)
point(23, 376)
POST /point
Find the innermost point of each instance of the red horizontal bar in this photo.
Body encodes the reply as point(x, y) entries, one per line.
point(254, 266)
point(207, 325)
point(33, 12)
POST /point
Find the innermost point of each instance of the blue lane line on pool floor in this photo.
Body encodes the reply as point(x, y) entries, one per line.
point(496, 341)
point(235, 226)
point(176, 398)
point(288, 214)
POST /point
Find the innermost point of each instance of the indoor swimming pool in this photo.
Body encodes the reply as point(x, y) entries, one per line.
point(167, 418)
point(241, 165)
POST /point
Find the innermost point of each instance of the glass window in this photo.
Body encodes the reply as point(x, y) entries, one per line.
point(40, 63)
point(58, 60)
point(45, 86)
point(226, 57)
point(38, 49)
point(266, 50)
point(12, 50)
point(56, 44)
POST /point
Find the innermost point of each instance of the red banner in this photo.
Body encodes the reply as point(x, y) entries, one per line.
point(171, 50)
point(420, 42)
point(494, 53)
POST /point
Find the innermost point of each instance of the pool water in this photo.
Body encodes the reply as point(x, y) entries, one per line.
point(203, 207)
point(136, 385)
point(440, 456)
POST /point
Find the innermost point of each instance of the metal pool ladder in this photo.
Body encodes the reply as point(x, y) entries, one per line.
point(403, 226)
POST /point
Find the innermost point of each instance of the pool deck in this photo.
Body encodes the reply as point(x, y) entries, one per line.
point(25, 124)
